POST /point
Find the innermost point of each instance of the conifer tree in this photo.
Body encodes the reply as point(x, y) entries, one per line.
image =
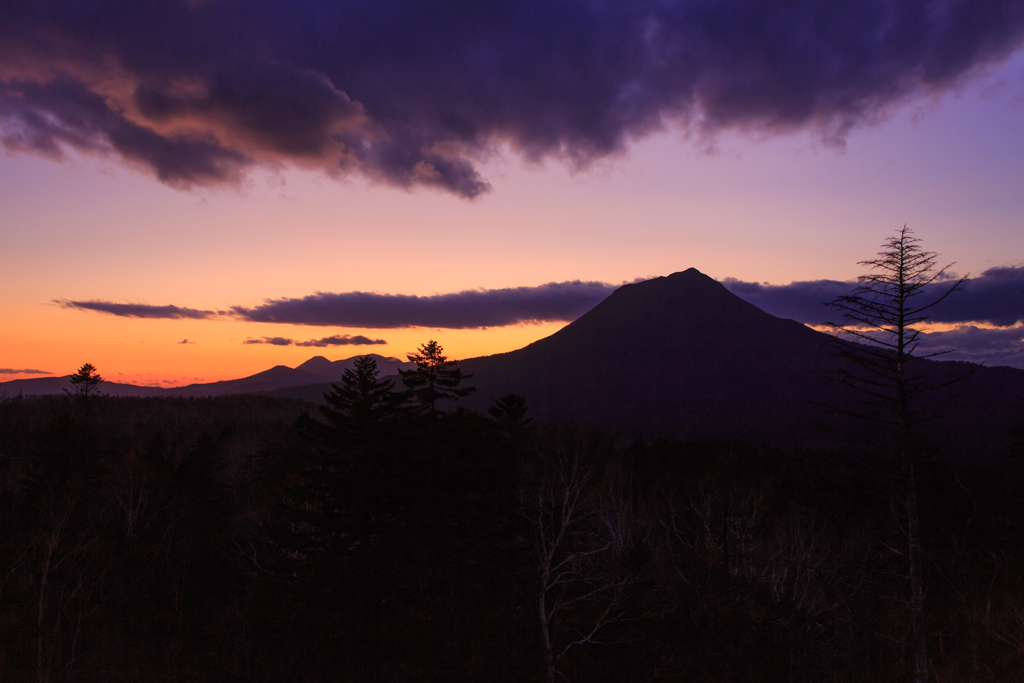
point(85, 382)
point(361, 404)
point(435, 378)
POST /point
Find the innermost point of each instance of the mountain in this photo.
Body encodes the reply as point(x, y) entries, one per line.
point(318, 365)
point(316, 370)
point(38, 386)
point(677, 355)
point(682, 356)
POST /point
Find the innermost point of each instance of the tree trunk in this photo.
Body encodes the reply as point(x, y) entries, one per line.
point(917, 630)
point(549, 655)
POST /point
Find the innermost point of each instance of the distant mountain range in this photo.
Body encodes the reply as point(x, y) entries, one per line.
point(316, 370)
point(678, 356)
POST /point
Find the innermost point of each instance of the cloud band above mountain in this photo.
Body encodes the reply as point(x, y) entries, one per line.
point(336, 340)
point(995, 297)
point(474, 308)
point(415, 93)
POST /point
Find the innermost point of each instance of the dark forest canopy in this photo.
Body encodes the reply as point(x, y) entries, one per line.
point(228, 539)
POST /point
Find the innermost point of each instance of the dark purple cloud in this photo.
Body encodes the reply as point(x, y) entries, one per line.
point(475, 308)
point(274, 341)
point(186, 341)
point(336, 340)
point(41, 117)
point(803, 301)
point(138, 310)
point(998, 346)
point(12, 371)
point(414, 92)
point(995, 297)
point(342, 340)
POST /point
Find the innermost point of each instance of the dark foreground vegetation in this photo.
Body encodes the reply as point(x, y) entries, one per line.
point(237, 539)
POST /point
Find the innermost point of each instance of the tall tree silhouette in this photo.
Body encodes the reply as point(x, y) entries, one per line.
point(86, 381)
point(880, 338)
point(509, 412)
point(435, 378)
point(361, 404)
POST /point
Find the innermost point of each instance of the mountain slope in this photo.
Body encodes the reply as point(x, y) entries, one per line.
point(316, 370)
point(677, 354)
point(682, 356)
point(39, 386)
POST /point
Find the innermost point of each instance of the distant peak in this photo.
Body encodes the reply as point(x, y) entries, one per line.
point(315, 364)
point(689, 272)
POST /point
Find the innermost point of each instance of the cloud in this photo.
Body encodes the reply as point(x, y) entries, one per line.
point(993, 346)
point(336, 340)
point(43, 117)
point(474, 308)
point(414, 93)
point(342, 340)
point(138, 310)
point(185, 341)
point(274, 341)
point(12, 371)
point(995, 297)
point(803, 301)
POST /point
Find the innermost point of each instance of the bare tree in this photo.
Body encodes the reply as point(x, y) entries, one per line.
point(879, 338)
point(582, 589)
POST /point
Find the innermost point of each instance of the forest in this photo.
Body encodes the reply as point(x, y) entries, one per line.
point(392, 536)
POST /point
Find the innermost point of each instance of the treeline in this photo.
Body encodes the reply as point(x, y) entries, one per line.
point(255, 539)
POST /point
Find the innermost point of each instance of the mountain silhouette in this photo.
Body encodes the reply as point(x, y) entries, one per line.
point(316, 370)
point(682, 356)
point(677, 355)
point(41, 386)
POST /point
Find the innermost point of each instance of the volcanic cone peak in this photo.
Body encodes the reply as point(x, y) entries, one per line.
point(677, 354)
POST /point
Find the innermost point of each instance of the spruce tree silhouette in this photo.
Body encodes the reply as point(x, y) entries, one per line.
point(509, 412)
point(85, 382)
point(435, 378)
point(880, 338)
point(361, 403)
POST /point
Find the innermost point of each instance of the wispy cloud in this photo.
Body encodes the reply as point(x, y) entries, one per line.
point(186, 341)
point(332, 85)
point(13, 371)
point(138, 310)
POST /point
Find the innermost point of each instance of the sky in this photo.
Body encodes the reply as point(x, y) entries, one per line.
point(197, 191)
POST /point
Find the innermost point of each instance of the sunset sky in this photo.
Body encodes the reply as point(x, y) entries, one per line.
point(219, 173)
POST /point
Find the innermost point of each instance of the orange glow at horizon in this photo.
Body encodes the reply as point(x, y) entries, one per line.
point(150, 353)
